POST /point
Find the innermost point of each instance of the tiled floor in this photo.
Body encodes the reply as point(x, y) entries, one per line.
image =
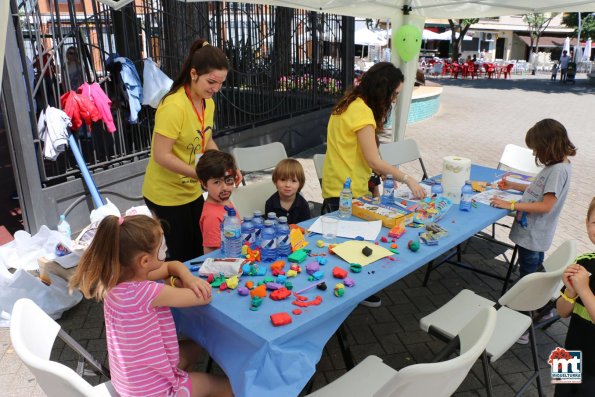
point(476, 120)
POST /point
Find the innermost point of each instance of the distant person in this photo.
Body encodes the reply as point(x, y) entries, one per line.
point(577, 301)
point(289, 179)
point(482, 55)
point(555, 71)
point(74, 69)
point(474, 59)
point(564, 60)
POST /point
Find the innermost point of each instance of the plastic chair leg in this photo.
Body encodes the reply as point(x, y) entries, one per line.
point(510, 268)
point(485, 364)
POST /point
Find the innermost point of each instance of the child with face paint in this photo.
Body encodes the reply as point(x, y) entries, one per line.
point(218, 176)
point(120, 268)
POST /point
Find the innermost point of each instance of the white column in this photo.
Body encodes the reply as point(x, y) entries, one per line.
point(4, 7)
point(409, 69)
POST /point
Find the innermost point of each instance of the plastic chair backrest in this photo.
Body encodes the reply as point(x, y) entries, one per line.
point(401, 152)
point(32, 333)
point(319, 164)
point(246, 199)
point(443, 378)
point(532, 291)
point(563, 256)
point(258, 158)
point(520, 159)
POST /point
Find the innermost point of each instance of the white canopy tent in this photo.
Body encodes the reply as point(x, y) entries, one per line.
point(412, 12)
point(447, 35)
point(365, 36)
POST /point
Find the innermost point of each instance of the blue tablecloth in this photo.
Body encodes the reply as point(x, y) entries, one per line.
point(262, 360)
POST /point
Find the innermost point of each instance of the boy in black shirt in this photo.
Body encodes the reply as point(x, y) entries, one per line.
point(289, 178)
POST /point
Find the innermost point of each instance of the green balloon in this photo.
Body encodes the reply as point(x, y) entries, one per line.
point(408, 42)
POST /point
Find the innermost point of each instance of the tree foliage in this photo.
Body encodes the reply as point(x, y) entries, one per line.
point(537, 23)
point(460, 26)
point(570, 19)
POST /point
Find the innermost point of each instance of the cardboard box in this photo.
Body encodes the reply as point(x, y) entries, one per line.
point(371, 210)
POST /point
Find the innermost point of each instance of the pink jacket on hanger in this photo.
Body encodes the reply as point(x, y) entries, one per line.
point(79, 109)
point(101, 101)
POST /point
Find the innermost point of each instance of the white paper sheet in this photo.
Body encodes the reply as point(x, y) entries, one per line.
point(352, 229)
point(484, 197)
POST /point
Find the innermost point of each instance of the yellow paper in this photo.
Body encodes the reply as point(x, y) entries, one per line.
point(351, 252)
point(297, 239)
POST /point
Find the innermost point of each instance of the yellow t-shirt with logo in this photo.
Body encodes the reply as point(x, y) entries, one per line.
point(176, 119)
point(344, 157)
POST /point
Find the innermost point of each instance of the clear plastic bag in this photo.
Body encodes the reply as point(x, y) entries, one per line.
point(155, 84)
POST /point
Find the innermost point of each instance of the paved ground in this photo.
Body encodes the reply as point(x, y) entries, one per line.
point(476, 120)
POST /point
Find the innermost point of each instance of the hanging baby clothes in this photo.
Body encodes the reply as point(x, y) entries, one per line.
point(79, 108)
point(133, 87)
point(156, 84)
point(52, 128)
point(101, 101)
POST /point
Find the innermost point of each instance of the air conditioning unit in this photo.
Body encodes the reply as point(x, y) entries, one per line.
point(486, 36)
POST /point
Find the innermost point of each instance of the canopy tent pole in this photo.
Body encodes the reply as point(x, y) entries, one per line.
point(3, 30)
point(409, 69)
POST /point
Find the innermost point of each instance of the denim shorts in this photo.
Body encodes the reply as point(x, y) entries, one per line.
point(529, 261)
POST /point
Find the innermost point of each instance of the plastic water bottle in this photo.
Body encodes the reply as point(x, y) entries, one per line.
point(258, 226)
point(248, 231)
point(271, 216)
point(345, 200)
point(388, 190)
point(222, 235)
point(232, 231)
point(268, 243)
point(283, 243)
point(466, 197)
point(64, 227)
point(437, 189)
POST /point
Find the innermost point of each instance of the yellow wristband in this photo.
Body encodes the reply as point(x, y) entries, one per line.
point(567, 298)
point(172, 281)
point(512, 205)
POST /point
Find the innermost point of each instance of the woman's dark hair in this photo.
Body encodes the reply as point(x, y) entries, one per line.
point(214, 164)
point(204, 58)
point(377, 89)
point(549, 139)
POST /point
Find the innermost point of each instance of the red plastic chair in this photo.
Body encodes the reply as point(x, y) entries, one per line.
point(507, 70)
point(470, 70)
point(490, 69)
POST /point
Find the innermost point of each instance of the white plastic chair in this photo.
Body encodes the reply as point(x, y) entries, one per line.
point(530, 293)
point(373, 378)
point(401, 152)
point(247, 199)
point(319, 164)
point(259, 158)
point(519, 159)
point(32, 333)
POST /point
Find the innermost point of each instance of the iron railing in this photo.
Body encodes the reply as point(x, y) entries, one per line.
point(284, 62)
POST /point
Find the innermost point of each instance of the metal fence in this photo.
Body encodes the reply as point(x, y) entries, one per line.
point(284, 62)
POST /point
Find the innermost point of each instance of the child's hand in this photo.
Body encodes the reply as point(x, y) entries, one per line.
point(418, 191)
point(499, 203)
point(238, 178)
point(580, 280)
point(570, 271)
point(200, 287)
point(504, 184)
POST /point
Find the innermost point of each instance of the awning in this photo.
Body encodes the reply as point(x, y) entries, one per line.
point(550, 42)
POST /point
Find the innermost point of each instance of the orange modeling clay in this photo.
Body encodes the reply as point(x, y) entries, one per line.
point(260, 291)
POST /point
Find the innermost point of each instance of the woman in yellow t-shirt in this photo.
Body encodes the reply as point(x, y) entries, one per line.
point(183, 131)
point(352, 145)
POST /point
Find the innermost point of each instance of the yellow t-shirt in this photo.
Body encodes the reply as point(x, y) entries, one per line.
point(176, 119)
point(344, 157)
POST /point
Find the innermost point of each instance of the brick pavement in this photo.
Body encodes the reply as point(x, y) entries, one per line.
point(476, 120)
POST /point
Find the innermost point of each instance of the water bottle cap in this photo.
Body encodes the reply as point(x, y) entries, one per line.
point(389, 176)
point(257, 213)
point(347, 183)
point(231, 212)
point(247, 218)
point(272, 215)
point(468, 182)
point(62, 217)
point(268, 222)
point(283, 219)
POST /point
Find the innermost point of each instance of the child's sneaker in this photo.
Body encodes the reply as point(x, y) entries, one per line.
point(524, 339)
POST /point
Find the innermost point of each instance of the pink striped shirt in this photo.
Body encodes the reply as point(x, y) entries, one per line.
point(141, 342)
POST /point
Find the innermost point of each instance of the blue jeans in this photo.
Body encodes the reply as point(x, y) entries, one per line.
point(529, 261)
